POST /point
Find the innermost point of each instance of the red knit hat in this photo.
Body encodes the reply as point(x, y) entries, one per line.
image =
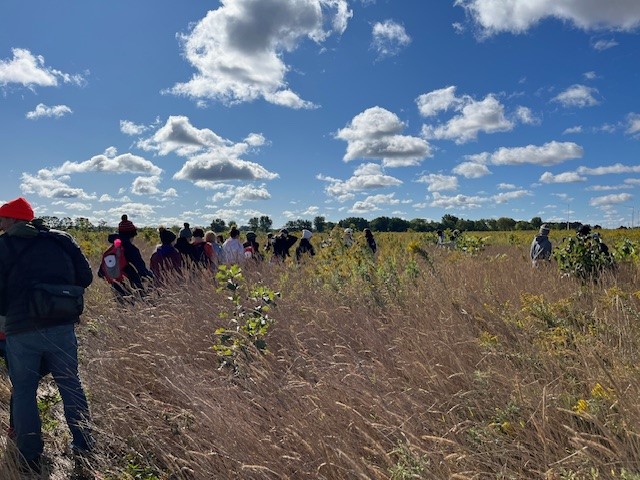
point(17, 208)
point(126, 225)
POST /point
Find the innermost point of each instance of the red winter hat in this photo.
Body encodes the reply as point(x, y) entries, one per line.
point(18, 209)
point(126, 225)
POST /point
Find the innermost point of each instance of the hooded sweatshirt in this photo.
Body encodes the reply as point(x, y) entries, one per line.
point(540, 248)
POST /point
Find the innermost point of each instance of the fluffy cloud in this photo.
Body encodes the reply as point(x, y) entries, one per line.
point(577, 96)
point(609, 169)
point(129, 128)
point(43, 110)
point(212, 159)
point(608, 200)
point(371, 203)
point(125, 163)
point(601, 45)
point(473, 117)
point(368, 176)
point(210, 167)
point(439, 183)
point(180, 137)
point(517, 16)
point(432, 103)
point(235, 196)
point(462, 202)
point(570, 130)
point(551, 153)
point(566, 177)
point(506, 197)
point(46, 185)
point(149, 186)
point(29, 70)
point(238, 49)
point(526, 116)
point(633, 124)
point(375, 134)
point(471, 170)
point(389, 38)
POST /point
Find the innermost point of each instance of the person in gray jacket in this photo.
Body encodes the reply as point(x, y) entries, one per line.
point(541, 247)
point(31, 255)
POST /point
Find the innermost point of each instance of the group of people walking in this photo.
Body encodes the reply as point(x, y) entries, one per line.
point(41, 299)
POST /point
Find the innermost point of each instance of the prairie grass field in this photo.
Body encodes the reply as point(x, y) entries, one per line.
point(418, 363)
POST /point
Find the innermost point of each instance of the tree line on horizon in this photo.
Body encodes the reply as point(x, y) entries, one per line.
point(320, 224)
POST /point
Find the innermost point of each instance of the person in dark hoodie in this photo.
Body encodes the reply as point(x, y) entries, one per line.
point(166, 261)
point(541, 247)
point(31, 255)
point(282, 244)
point(136, 269)
point(305, 249)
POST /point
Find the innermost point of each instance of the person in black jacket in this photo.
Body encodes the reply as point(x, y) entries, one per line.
point(31, 254)
point(282, 244)
point(136, 269)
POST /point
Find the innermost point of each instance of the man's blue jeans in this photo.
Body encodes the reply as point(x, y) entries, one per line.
point(55, 349)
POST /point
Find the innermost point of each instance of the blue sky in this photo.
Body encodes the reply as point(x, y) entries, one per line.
point(194, 110)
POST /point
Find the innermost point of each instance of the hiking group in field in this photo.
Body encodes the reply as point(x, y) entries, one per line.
point(41, 298)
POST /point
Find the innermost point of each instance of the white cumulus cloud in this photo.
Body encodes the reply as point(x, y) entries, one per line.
point(389, 38)
point(518, 16)
point(43, 110)
point(238, 49)
point(376, 134)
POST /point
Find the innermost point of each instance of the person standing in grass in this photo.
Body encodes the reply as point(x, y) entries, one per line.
point(371, 241)
point(305, 249)
point(203, 253)
point(211, 238)
point(166, 260)
point(185, 231)
point(232, 247)
point(282, 244)
point(37, 341)
point(136, 269)
point(252, 247)
point(541, 247)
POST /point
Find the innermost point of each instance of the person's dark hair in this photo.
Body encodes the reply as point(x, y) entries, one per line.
point(234, 232)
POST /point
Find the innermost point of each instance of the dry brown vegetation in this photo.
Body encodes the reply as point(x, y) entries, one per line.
point(447, 367)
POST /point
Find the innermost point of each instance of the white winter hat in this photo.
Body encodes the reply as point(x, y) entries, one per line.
point(306, 234)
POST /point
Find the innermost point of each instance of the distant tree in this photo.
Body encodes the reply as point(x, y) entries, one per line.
point(265, 223)
point(421, 225)
point(82, 223)
point(319, 224)
point(254, 223)
point(218, 225)
point(65, 223)
point(297, 225)
point(397, 224)
point(357, 223)
point(52, 222)
point(465, 225)
point(505, 224)
point(449, 222)
point(522, 225)
point(535, 223)
point(380, 224)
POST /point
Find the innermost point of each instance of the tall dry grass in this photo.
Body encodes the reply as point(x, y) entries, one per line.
point(455, 366)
